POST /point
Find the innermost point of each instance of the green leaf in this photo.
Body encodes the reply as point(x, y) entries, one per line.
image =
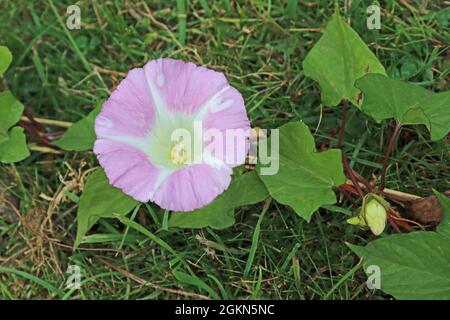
point(81, 135)
point(337, 60)
point(407, 103)
point(13, 144)
point(10, 112)
point(15, 147)
point(305, 177)
point(244, 190)
point(5, 59)
point(412, 266)
point(100, 200)
point(444, 226)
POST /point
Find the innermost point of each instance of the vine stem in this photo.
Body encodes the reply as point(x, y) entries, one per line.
point(343, 124)
point(352, 176)
point(347, 195)
point(364, 182)
point(394, 225)
point(388, 154)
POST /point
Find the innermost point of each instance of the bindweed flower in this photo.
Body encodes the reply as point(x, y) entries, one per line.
point(171, 133)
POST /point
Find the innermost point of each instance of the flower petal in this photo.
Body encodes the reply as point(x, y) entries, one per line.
point(192, 187)
point(227, 114)
point(182, 86)
point(128, 169)
point(129, 111)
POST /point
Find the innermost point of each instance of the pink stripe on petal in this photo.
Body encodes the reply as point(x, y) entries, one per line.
point(127, 168)
point(227, 112)
point(228, 115)
point(192, 187)
point(183, 86)
point(129, 110)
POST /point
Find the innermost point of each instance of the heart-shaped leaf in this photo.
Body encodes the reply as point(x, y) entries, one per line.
point(405, 102)
point(244, 190)
point(13, 146)
point(444, 226)
point(10, 112)
point(100, 200)
point(305, 177)
point(81, 135)
point(412, 266)
point(337, 60)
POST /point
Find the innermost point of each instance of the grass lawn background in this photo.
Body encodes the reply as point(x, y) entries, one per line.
point(260, 45)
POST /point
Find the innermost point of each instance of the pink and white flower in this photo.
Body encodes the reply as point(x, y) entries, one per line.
point(135, 126)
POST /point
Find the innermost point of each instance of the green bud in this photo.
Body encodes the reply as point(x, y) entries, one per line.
point(374, 211)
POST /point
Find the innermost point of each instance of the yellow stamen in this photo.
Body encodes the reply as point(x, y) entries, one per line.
point(179, 154)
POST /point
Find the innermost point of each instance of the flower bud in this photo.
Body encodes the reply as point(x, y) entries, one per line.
point(375, 214)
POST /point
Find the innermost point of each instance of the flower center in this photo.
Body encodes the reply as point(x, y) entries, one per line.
point(174, 142)
point(179, 154)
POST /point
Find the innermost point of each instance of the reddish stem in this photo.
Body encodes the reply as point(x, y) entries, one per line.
point(361, 179)
point(394, 225)
point(352, 176)
point(32, 120)
point(347, 195)
point(348, 188)
point(30, 128)
point(388, 154)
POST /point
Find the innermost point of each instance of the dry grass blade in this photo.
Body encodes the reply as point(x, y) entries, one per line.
point(142, 282)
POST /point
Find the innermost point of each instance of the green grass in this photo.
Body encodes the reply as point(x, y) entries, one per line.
point(60, 74)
